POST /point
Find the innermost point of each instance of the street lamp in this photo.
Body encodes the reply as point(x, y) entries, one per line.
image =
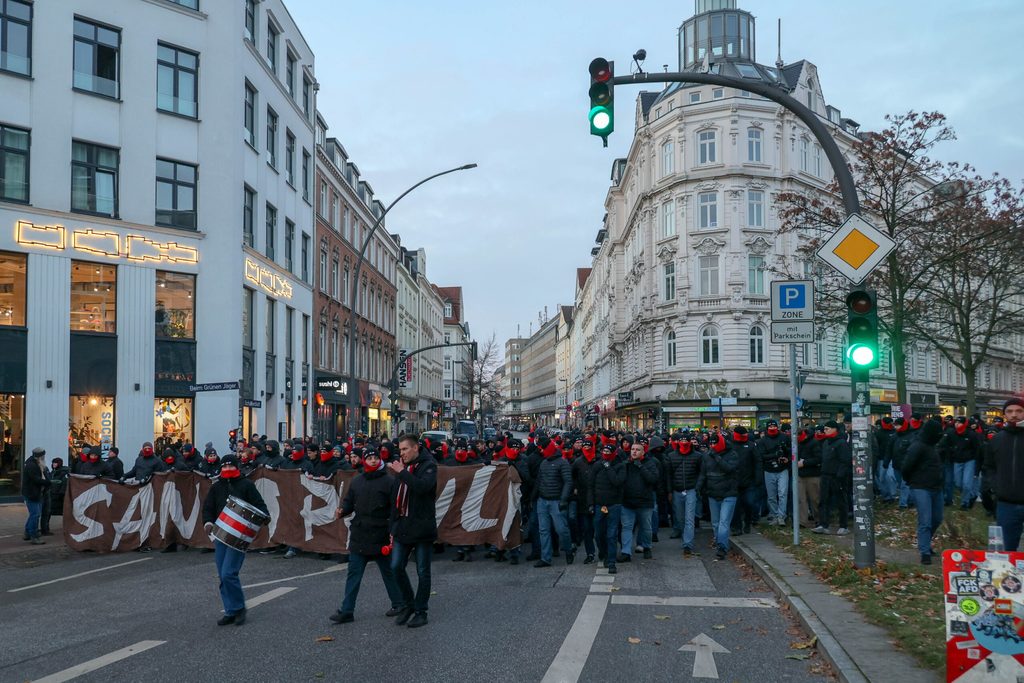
point(353, 394)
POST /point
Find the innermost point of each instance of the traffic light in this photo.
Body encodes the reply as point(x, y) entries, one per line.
point(862, 329)
point(232, 439)
point(602, 98)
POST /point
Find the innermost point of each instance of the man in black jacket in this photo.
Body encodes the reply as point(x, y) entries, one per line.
point(607, 478)
point(808, 465)
point(923, 472)
point(963, 448)
point(229, 560)
point(34, 485)
point(719, 482)
point(638, 501)
point(413, 526)
point(1004, 469)
point(369, 497)
point(551, 499)
point(836, 462)
point(773, 450)
point(682, 471)
point(581, 467)
point(749, 478)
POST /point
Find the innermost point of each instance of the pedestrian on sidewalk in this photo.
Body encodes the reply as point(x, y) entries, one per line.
point(229, 560)
point(719, 482)
point(369, 540)
point(1004, 469)
point(836, 463)
point(809, 472)
point(34, 485)
point(773, 449)
point(413, 526)
point(922, 470)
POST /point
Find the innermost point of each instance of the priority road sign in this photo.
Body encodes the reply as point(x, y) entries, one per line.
point(856, 249)
point(792, 300)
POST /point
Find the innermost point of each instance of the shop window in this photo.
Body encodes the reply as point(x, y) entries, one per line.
point(91, 422)
point(12, 288)
point(93, 298)
point(172, 422)
point(175, 305)
point(12, 430)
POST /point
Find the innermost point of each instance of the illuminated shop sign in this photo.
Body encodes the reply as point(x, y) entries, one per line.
point(268, 280)
point(111, 244)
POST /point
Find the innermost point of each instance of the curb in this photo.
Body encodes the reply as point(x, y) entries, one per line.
point(844, 666)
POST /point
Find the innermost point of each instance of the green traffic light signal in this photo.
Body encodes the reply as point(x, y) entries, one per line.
point(861, 355)
point(602, 98)
point(862, 329)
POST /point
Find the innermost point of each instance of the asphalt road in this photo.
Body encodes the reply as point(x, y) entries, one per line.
point(487, 622)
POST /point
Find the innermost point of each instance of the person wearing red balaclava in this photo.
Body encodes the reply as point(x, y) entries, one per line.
point(808, 465)
point(904, 439)
point(963, 453)
point(773, 450)
point(682, 465)
point(750, 478)
point(719, 481)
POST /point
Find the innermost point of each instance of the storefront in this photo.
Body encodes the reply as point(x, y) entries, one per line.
point(330, 407)
point(13, 360)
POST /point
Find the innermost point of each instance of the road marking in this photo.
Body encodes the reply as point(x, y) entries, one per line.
point(75, 576)
point(602, 571)
point(268, 596)
point(704, 649)
point(8, 535)
point(600, 588)
point(765, 603)
point(100, 662)
point(604, 579)
point(329, 570)
point(572, 656)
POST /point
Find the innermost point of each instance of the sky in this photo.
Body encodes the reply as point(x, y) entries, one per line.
point(411, 88)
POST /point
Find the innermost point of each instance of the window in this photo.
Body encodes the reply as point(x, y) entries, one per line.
point(289, 333)
point(306, 177)
point(250, 20)
point(175, 194)
point(755, 274)
point(289, 245)
point(755, 208)
point(248, 340)
point(754, 145)
point(709, 346)
point(248, 216)
point(176, 80)
point(14, 176)
point(334, 211)
point(175, 305)
point(805, 155)
point(706, 142)
point(96, 58)
point(670, 281)
point(718, 93)
point(13, 269)
point(668, 218)
point(670, 349)
point(335, 285)
point(16, 36)
point(817, 160)
point(94, 179)
point(323, 268)
point(305, 258)
point(344, 289)
point(323, 199)
point(667, 158)
point(708, 205)
point(334, 348)
point(447, 314)
point(694, 97)
point(745, 93)
point(191, 4)
point(93, 297)
point(323, 344)
point(250, 114)
point(756, 346)
point(272, 34)
point(271, 137)
point(447, 338)
point(708, 267)
point(271, 337)
point(289, 74)
point(289, 157)
point(271, 237)
point(307, 97)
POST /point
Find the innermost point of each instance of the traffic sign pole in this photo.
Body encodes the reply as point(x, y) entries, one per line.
point(794, 445)
point(863, 482)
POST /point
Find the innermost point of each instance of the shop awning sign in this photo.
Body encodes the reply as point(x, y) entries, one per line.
point(212, 386)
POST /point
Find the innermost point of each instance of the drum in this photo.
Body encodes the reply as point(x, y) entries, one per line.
point(238, 524)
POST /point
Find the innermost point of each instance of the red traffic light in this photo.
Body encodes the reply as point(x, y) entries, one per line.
point(600, 69)
point(232, 434)
point(859, 302)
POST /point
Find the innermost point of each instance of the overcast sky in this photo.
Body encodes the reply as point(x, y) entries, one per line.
point(411, 88)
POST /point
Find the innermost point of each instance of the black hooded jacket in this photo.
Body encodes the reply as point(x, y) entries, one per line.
point(369, 496)
point(1004, 464)
point(718, 474)
point(922, 466)
point(415, 494)
point(641, 483)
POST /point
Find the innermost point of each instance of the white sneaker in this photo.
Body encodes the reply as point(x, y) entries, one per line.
point(820, 530)
point(842, 531)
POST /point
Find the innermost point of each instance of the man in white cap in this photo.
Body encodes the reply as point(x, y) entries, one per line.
point(34, 485)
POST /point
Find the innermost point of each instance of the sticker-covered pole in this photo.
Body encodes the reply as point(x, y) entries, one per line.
point(794, 428)
point(863, 486)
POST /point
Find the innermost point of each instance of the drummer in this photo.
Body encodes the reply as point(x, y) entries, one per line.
point(228, 559)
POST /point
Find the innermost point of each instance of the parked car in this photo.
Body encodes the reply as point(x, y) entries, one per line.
point(490, 433)
point(466, 428)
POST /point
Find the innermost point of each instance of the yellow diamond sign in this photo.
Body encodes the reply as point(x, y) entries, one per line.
point(856, 248)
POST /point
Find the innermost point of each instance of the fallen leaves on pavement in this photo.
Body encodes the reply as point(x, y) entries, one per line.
point(325, 639)
point(633, 641)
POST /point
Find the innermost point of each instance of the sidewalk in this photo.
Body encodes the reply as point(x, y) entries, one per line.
point(16, 552)
point(858, 651)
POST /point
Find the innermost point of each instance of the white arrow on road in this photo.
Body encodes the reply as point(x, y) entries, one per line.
point(704, 649)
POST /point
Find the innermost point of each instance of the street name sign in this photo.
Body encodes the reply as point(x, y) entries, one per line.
point(856, 249)
point(798, 332)
point(792, 300)
point(723, 401)
point(212, 386)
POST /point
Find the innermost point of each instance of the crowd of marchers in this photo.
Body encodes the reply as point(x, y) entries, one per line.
point(607, 494)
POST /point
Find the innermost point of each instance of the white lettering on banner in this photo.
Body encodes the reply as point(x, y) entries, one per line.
point(143, 502)
point(512, 509)
point(172, 510)
point(269, 491)
point(322, 515)
point(471, 520)
point(444, 501)
point(93, 529)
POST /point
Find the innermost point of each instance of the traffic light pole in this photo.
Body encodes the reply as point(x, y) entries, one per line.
point(863, 482)
point(393, 383)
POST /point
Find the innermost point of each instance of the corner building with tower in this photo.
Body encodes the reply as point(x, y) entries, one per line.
point(156, 223)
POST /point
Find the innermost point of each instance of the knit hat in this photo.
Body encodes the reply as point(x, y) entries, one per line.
point(1014, 401)
point(210, 450)
point(229, 459)
point(832, 424)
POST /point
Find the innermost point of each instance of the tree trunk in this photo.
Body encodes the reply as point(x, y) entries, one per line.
point(899, 361)
point(971, 390)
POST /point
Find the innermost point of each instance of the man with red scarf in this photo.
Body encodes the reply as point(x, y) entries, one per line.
point(773, 450)
point(681, 472)
point(719, 482)
point(963, 449)
point(413, 526)
point(607, 478)
point(551, 501)
point(750, 480)
point(582, 463)
point(836, 463)
point(906, 433)
point(808, 465)
point(229, 560)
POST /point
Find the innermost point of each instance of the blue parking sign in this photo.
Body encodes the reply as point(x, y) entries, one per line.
point(792, 300)
point(793, 295)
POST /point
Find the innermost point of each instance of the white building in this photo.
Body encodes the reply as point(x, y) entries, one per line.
point(155, 167)
point(455, 329)
point(420, 314)
point(563, 365)
point(676, 309)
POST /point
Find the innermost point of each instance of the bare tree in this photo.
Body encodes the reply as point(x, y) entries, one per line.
point(478, 377)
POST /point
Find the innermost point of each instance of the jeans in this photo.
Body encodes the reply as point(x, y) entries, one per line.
point(1010, 517)
point(356, 566)
point(833, 495)
point(585, 530)
point(929, 517)
point(886, 483)
point(722, 510)
point(548, 514)
point(229, 563)
point(963, 478)
point(606, 531)
point(35, 509)
point(684, 508)
point(533, 529)
point(777, 485)
point(399, 558)
point(903, 490)
point(630, 516)
point(572, 519)
point(746, 512)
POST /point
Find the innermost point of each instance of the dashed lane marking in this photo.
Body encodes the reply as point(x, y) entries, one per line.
point(268, 596)
point(766, 603)
point(572, 656)
point(604, 579)
point(100, 662)
point(329, 570)
point(75, 576)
